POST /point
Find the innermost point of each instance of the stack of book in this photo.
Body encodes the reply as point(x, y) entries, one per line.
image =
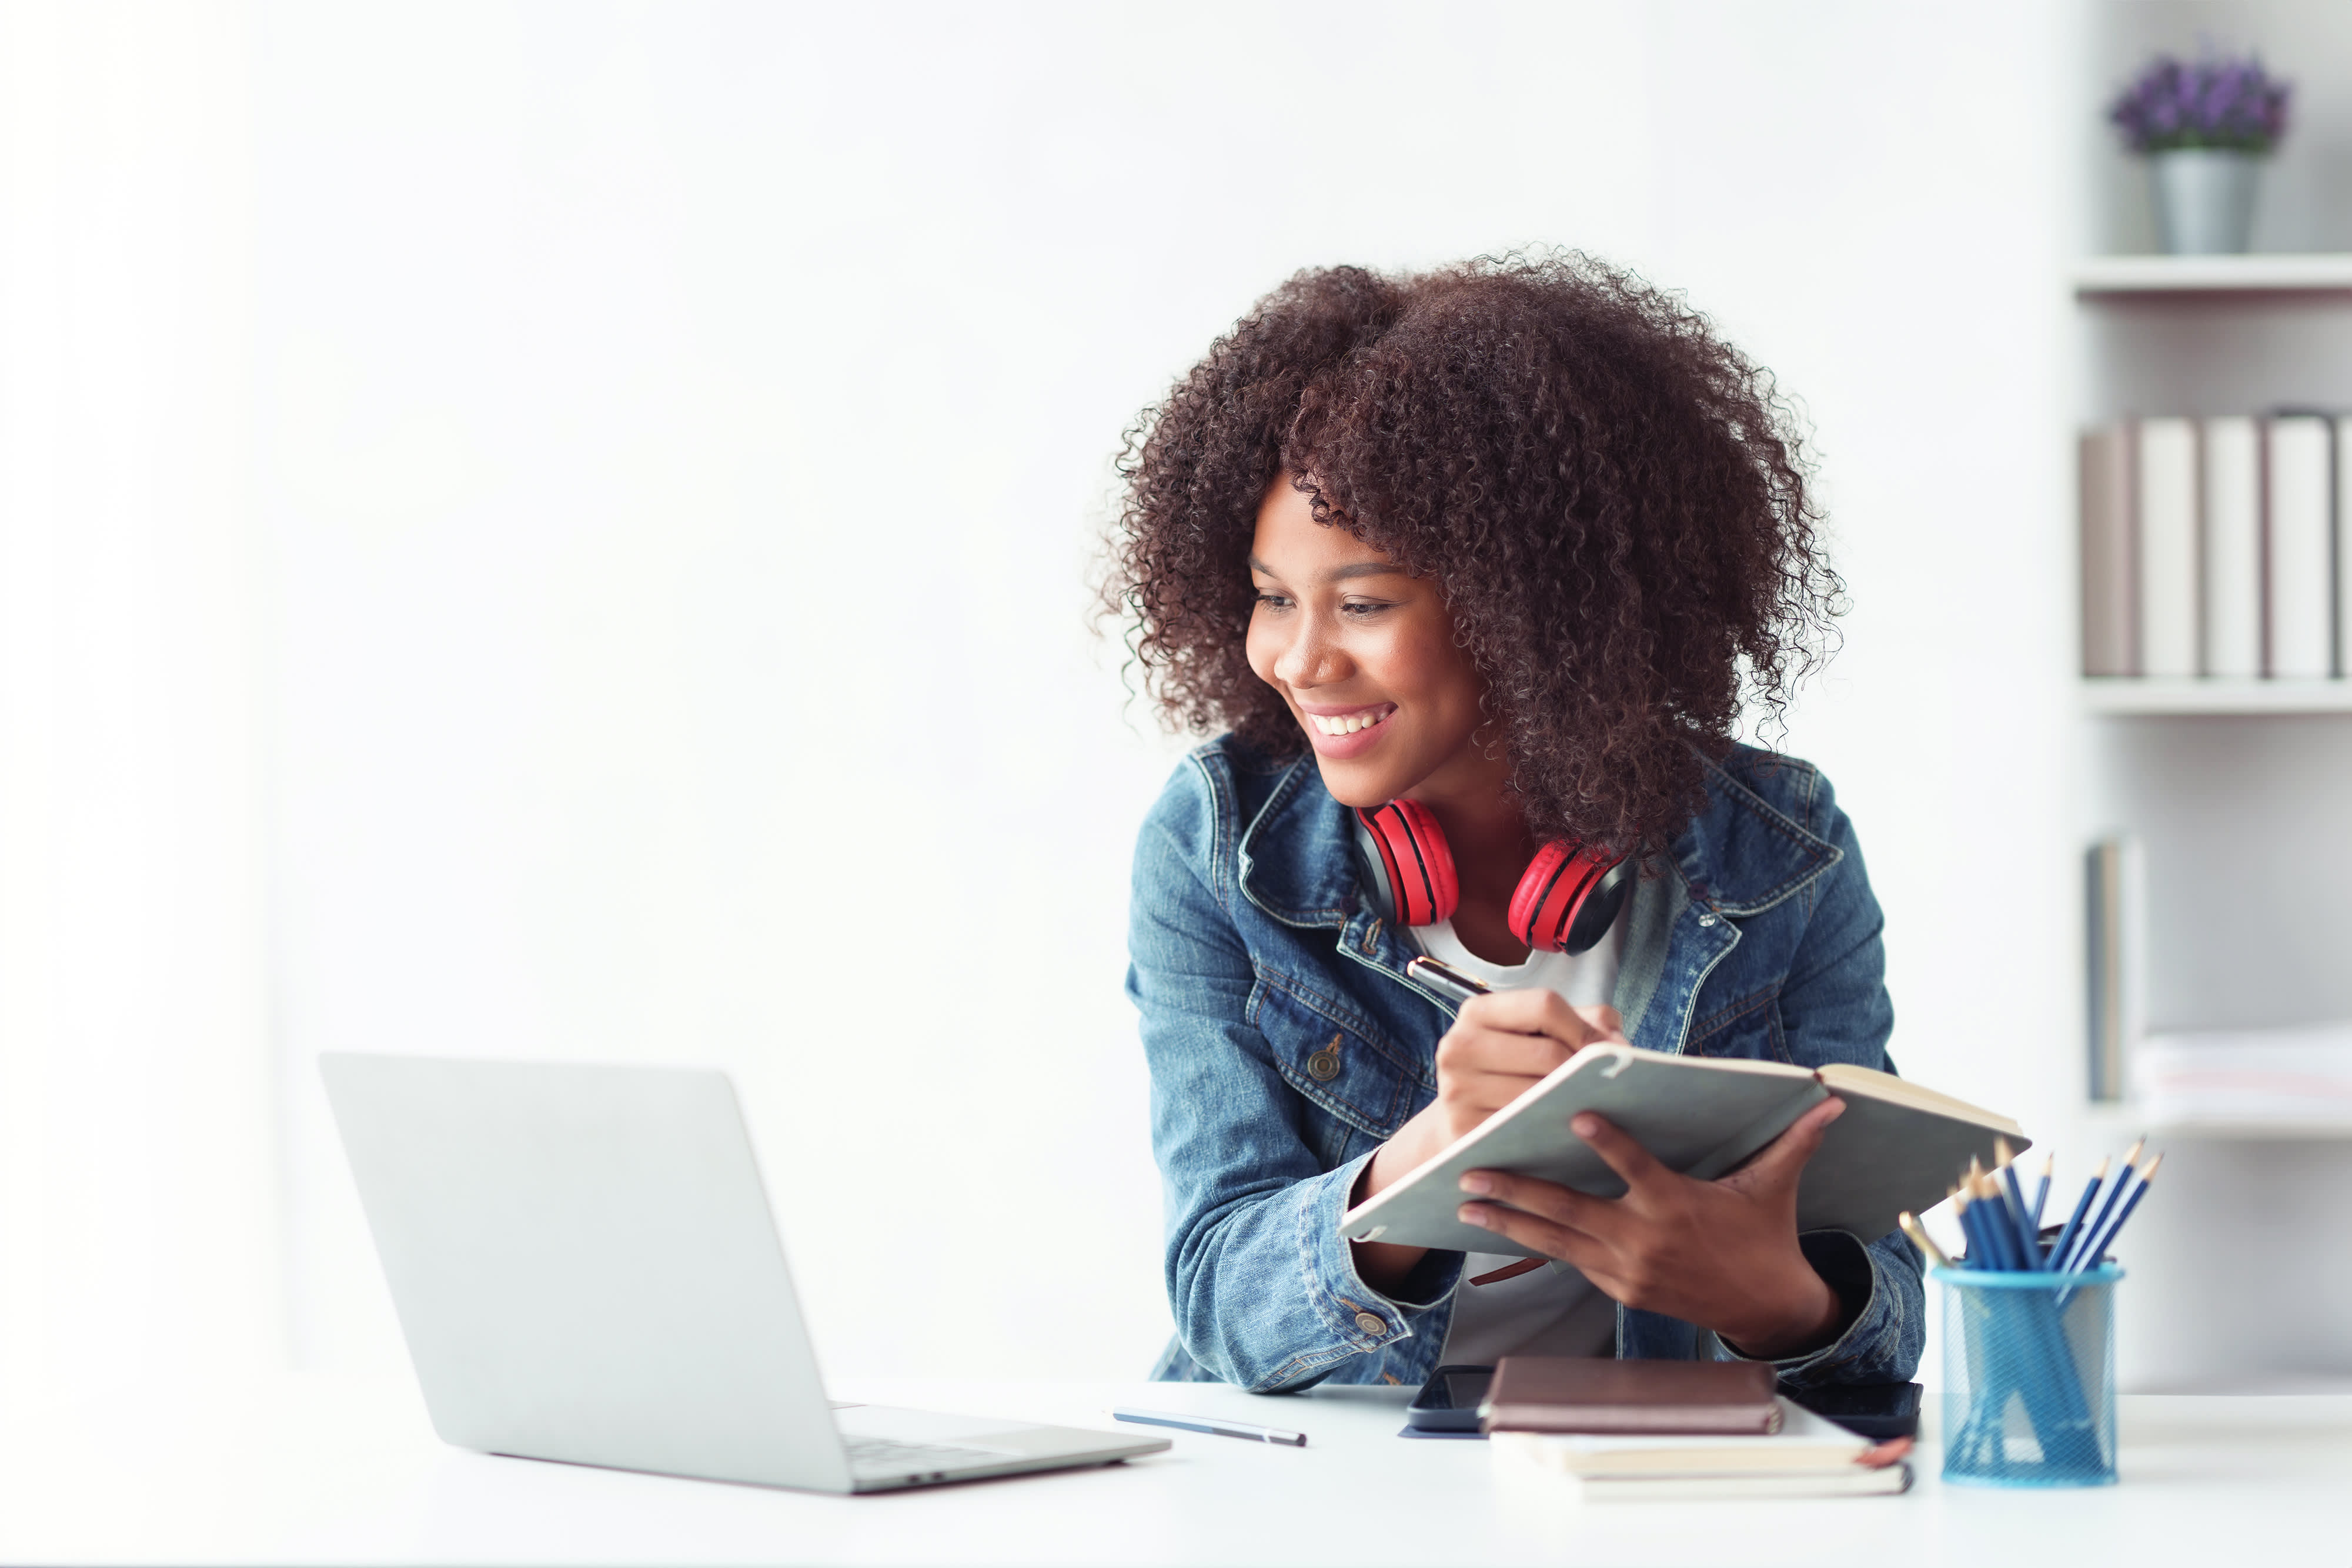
point(2217, 547)
point(2299, 1077)
point(1615, 1431)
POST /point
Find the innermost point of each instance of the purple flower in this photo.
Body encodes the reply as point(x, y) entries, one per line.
point(2216, 102)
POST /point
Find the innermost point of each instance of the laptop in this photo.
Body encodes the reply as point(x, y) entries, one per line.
point(586, 1270)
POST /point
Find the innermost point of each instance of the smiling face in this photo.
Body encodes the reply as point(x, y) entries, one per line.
point(1364, 655)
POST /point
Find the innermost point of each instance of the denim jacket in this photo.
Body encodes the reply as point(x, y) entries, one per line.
point(1285, 1044)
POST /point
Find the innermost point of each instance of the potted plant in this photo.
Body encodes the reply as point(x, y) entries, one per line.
point(2204, 128)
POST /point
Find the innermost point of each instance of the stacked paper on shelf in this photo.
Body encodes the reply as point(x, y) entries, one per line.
point(1808, 1456)
point(2300, 1076)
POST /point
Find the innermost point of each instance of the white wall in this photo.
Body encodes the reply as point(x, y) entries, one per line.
point(683, 428)
point(139, 1232)
point(681, 433)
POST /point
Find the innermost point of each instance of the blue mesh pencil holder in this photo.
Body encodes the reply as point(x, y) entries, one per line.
point(2029, 1377)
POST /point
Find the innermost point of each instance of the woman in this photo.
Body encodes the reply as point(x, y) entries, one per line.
point(1510, 542)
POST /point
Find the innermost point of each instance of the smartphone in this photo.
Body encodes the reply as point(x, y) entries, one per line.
point(1449, 1401)
point(1880, 1410)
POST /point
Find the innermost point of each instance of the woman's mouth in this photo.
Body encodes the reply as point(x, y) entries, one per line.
point(1344, 732)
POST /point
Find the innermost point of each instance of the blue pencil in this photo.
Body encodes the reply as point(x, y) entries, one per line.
point(1993, 1225)
point(2107, 1205)
point(1979, 1252)
point(2041, 1192)
point(2094, 1250)
point(2012, 1204)
point(2075, 1221)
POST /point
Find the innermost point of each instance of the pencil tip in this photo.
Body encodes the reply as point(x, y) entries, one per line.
point(2000, 1152)
point(2148, 1175)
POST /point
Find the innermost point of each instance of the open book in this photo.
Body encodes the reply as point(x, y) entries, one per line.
point(1896, 1146)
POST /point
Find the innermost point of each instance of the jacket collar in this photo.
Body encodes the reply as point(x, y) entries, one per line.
point(1740, 856)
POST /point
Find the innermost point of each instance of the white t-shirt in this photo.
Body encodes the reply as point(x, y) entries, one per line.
point(1554, 1310)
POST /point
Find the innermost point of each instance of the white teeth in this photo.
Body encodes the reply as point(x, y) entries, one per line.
point(1349, 725)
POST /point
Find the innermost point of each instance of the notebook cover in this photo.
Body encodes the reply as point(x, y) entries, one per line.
point(1599, 1394)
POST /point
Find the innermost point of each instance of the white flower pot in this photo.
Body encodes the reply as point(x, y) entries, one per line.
point(2204, 199)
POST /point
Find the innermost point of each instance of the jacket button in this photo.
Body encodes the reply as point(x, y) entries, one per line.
point(1706, 920)
point(1369, 1322)
point(1324, 1065)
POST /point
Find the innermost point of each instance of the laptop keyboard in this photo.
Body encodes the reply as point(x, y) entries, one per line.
point(887, 1457)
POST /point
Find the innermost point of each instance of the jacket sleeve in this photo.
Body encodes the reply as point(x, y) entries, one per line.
point(1263, 1289)
point(1834, 1008)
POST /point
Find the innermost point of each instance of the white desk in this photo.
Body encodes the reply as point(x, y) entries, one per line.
point(315, 1470)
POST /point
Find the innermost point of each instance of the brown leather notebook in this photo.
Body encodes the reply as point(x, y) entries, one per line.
point(1598, 1394)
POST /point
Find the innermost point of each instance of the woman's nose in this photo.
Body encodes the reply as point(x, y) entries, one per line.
point(1313, 657)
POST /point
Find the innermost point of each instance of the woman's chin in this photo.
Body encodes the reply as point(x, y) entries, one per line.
point(1357, 783)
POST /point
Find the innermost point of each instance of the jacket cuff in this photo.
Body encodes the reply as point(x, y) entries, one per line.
point(1364, 1318)
point(1852, 1270)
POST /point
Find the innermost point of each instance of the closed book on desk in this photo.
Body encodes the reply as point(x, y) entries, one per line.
point(1898, 1145)
point(1598, 1470)
point(1604, 1396)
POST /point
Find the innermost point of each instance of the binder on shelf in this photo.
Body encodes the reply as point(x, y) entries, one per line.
point(2344, 546)
point(2299, 457)
point(2110, 636)
point(2115, 949)
point(2233, 584)
point(2167, 551)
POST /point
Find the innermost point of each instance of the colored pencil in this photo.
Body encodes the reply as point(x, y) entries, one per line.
point(2012, 1203)
point(1921, 1239)
point(2075, 1221)
point(2041, 1192)
point(2107, 1205)
point(2094, 1250)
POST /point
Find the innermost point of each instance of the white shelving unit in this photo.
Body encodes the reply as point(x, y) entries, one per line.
point(2323, 274)
point(2119, 696)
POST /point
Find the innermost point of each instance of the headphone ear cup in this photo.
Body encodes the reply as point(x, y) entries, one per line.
point(1553, 892)
point(1417, 868)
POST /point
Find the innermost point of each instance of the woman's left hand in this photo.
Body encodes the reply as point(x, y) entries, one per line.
point(1722, 1254)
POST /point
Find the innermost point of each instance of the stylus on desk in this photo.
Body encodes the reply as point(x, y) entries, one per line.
point(1215, 1429)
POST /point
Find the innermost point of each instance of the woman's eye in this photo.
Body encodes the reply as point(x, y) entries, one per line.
point(1272, 600)
point(1363, 608)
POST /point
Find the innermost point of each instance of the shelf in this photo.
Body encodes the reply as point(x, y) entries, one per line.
point(2124, 695)
point(2318, 274)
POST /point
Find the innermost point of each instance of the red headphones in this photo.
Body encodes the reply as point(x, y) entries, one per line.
point(1566, 901)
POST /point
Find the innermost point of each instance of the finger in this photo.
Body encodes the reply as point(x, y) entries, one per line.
point(1624, 1156)
point(1476, 1048)
point(1544, 1199)
point(1536, 1235)
point(1535, 1009)
point(1785, 1157)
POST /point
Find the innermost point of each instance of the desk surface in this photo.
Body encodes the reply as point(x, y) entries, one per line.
point(310, 1469)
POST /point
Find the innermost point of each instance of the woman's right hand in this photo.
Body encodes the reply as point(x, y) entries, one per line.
point(1499, 1046)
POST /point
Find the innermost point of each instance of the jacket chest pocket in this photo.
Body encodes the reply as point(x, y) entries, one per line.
point(1354, 1078)
point(1748, 1027)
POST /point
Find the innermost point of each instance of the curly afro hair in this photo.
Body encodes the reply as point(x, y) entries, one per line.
point(1611, 499)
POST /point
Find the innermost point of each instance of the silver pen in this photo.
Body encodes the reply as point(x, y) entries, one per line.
point(1211, 1425)
point(1446, 980)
